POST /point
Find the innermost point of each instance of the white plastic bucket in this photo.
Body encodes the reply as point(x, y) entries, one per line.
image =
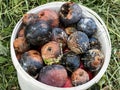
point(26, 82)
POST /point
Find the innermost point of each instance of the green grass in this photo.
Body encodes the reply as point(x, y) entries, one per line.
point(12, 10)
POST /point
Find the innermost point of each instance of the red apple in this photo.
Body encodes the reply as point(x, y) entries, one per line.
point(90, 74)
point(68, 83)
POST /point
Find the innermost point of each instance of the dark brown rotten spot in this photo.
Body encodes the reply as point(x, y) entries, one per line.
point(96, 62)
point(49, 48)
